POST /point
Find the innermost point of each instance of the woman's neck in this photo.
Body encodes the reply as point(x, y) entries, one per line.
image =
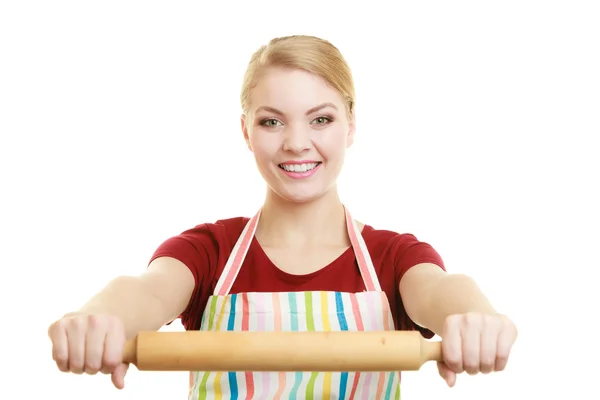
point(284, 223)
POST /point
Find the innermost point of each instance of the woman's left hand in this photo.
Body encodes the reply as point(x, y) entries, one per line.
point(475, 343)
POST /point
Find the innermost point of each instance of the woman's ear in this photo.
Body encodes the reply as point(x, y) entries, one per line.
point(244, 121)
point(351, 130)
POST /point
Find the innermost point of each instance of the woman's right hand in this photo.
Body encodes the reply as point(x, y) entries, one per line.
point(84, 343)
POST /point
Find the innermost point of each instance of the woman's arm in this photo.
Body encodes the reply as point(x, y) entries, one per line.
point(475, 337)
point(148, 301)
point(430, 295)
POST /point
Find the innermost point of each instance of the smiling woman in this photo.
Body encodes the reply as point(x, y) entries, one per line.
point(301, 263)
point(299, 168)
point(297, 126)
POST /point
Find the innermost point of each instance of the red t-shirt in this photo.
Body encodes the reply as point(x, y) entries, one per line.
point(205, 249)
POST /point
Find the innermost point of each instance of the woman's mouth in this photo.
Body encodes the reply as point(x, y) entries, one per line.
point(300, 170)
point(304, 167)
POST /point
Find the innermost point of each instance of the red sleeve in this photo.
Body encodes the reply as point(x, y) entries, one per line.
point(197, 249)
point(408, 252)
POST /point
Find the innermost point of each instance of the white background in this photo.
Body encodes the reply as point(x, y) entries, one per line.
point(476, 124)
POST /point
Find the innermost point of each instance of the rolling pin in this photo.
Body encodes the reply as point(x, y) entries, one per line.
point(281, 351)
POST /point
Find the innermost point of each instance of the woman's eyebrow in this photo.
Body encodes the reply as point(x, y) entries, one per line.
point(310, 111)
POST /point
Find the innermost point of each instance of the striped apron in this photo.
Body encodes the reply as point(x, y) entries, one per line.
point(296, 311)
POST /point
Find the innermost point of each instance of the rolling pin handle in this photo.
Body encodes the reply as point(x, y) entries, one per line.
point(130, 351)
point(431, 351)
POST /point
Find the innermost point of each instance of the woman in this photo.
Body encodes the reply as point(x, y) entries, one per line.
point(301, 263)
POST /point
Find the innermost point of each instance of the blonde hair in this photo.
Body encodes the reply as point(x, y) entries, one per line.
point(307, 53)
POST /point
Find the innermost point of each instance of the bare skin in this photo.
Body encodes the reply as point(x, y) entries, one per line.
point(307, 239)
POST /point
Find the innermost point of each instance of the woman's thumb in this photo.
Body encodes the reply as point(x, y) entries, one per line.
point(447, 374)
point(118, 376)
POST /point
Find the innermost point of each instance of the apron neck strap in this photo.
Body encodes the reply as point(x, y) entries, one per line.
point(238, 254)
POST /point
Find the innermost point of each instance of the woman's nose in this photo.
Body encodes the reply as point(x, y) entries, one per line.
point(296, 139)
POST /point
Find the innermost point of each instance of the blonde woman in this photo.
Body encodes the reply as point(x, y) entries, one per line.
point(302, 263)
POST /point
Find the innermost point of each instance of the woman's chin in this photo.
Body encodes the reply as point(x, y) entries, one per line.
point(301, 195)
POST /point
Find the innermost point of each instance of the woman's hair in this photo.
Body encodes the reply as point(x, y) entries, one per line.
point(307, 53)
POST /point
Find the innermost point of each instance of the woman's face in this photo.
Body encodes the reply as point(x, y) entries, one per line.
point(298, 130)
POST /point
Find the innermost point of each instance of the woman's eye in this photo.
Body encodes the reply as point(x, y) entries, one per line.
point(270, 122)
point(322, 120)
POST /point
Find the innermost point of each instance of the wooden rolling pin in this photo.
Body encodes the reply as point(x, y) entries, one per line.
point(281, 351)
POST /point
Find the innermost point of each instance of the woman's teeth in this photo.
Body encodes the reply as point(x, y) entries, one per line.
point(298, 167)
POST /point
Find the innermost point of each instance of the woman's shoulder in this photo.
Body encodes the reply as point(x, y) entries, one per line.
point(207, 240)
point(381, 239)
point(374, 234)
point(403, 248)
point(219, 229)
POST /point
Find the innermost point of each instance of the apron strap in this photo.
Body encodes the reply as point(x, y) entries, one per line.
point(236, 259)
point(363, 258)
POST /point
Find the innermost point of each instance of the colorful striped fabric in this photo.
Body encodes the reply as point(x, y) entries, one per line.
point(296, 311)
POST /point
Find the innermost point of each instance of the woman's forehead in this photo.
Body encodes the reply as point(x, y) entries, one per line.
point(292, 91)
